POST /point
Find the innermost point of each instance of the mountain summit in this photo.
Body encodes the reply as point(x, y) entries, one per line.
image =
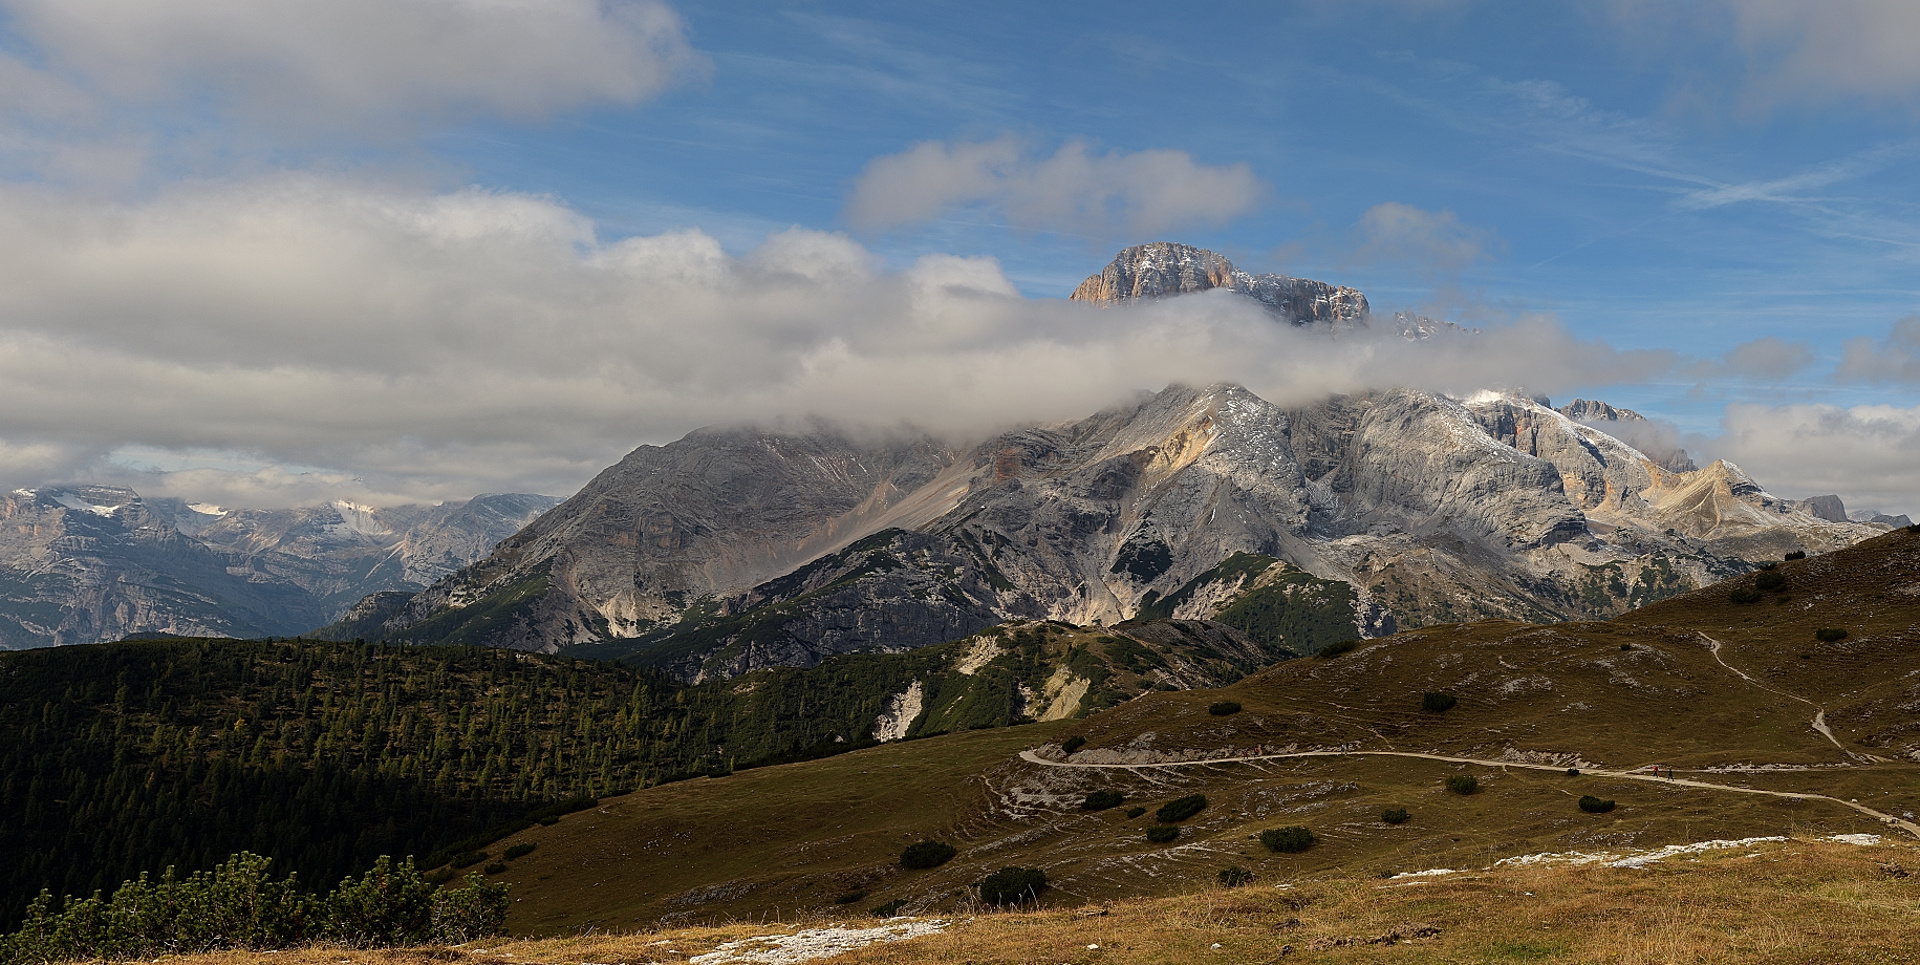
point(1166, 268)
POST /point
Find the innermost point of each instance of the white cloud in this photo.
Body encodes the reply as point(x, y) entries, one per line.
point(1140, 194)
point(1433, 240)
point(1864, 453)
point(1801, 50)
point(332, 336)
point(1895, 358)
point(1770, 359)
point(341, 66)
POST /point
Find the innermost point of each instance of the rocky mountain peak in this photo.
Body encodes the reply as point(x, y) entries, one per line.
point(1167, 268)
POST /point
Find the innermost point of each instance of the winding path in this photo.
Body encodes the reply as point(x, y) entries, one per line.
point(1820, 713)
point(1884, 818)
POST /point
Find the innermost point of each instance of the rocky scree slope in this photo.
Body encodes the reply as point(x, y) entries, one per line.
point(734, 549)
point(87, 564)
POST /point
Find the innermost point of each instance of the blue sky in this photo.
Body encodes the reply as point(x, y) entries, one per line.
point(437, 227)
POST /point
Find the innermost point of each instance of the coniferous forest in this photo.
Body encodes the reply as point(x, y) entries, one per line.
point(123, 758)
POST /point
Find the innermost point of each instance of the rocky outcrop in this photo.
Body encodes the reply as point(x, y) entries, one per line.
point(1164, 268)
point(1633, 428)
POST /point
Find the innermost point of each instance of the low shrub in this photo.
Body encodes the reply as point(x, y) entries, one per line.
point(1073, 743)
point(1626, 646)
point(1795, 555)
point(1180, 809)
point(1102, 800)
point(1395, 815)
point(1463, 783)
point(850, 897)
point(1011, 885)
point(1831, 634)
point(1235, 876)
point(518, 851)
point(889, 909)
point(1336, 648)
point(1741, 595)
point(1437, 702)
point(1573, 772)
point(470, 858)
point(1289, 840)
point(498, 867)
point(1771, 580)
point(1136, 811)
point(927, 854)
point(1223, 708)
point(1162, 833)
point(548, 820)
point(1594, 805)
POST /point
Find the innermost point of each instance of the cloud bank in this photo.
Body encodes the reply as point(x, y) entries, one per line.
point(1140, 194)
point(92, 85)
point(412, 344)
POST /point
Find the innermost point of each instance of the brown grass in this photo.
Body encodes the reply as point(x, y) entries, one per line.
point(1798, 902)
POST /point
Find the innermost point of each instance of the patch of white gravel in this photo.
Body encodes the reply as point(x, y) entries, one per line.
point(811, 943)
point(1631, 859)
point(1429, 873)
point(1863, 840)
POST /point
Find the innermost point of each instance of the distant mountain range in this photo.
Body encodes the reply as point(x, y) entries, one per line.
point(82, 564)
point(733, 549)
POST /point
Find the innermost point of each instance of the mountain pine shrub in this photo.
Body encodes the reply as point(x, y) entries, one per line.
point(1336, 648)
point(1235, 876)
point(889, 909)
point(1395, 815)
point(1073, 743)
point(1290, 840)
point(468, 859)
point(1594, 805)
point(1102, 800)
point(1771, 580)
point(1134, 812)
point(1463, 783)
point(518, 851)
point(1180, 809)
point(1741, 595)
point(1223, 708)
point(1437, 702)
point(1162, 833)
point(1795, 555)
point(927, 854)
point(1011, 885)
point(1831, 634)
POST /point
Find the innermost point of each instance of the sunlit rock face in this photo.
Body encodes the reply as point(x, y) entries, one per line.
point(1164, 268)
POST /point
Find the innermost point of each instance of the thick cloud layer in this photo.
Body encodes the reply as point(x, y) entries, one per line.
point(437, 345)
point(95, 72)
point(1864, 453)
point(1140, 194)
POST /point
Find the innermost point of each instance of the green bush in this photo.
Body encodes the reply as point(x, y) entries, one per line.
point(1831, 634)
point(927, 854)
point(519, 851)
point(1573, 772)
point(1162, 833)
point(1463, 783)
point(1795, 555)
point(1336, 648)
point(849, 898)
point(1235, 876)
point(1594, 805)
point(1102, 800)
point(1437, 703)
point(476, 911)
point(1290, 840)
point(469, 858)
point(1741, 595)
point(1180, 809)
point(889, 909)
point(1134, 812)
point(1223, 708)
point(1073, 743)
point(1012, 885)
point(1395, 815)
point(1771, 580)
point(498, 867)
